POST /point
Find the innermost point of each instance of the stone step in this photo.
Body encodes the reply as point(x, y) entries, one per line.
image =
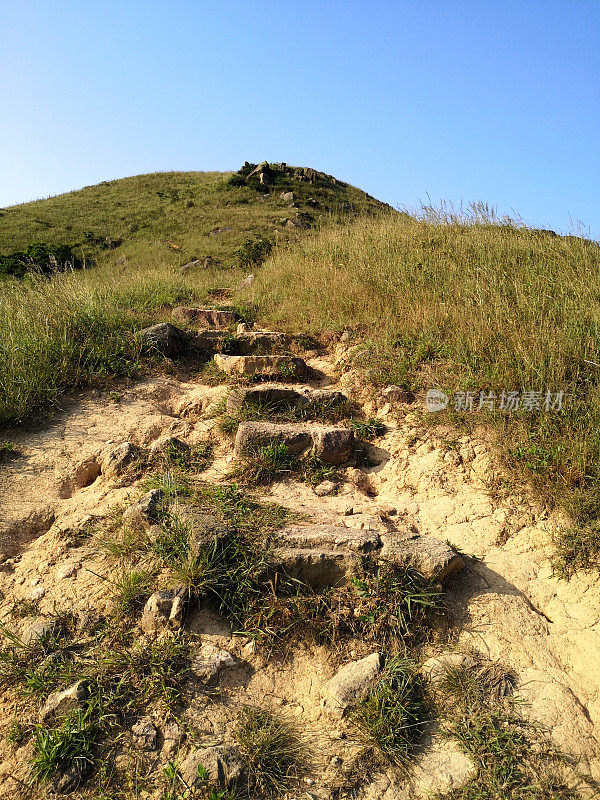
point(318, 568)
point(332, 537)
point(205, 317)
point(332, 445)
point(280, 397)
point(258, 342)
point(434, 559)
point(290, 367)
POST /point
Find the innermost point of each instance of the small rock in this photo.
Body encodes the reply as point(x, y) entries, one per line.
point(59, 704)
point(39, 631)
point(434, 559)
point(351, 683)
point(163, 338)
point(115, 461)
point(210, 661)
point(37, 593)
point(163, 610)
point(348, 511)
point(67, 571)
point(336, 761)
point(247, 282)
point(242, 328)
point(172, 738)
point(145, 510)
point(223, 765)
point(325, 488)
point(396, 394)
point(145, 734)
point(345, 337)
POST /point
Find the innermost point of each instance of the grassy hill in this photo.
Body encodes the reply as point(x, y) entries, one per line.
point(171, 218)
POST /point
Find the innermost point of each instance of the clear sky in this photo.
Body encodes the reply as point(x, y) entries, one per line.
point(494, 100)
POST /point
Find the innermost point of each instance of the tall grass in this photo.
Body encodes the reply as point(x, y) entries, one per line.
point(58, 333)
point(465, 304)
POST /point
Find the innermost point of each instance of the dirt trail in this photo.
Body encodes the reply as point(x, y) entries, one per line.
point(506, 603)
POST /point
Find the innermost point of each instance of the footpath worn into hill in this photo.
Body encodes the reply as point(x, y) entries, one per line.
point(61, 482)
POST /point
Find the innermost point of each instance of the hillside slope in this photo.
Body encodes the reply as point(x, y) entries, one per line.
point(175, 217)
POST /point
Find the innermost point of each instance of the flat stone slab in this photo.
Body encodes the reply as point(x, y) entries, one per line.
point(258, 342)
point(351, 683)
point(205, 317)
point(291, 367)
point(280, 397)
point(334, 536)
point(434, 559)
point(332, 445)
point(316, 567)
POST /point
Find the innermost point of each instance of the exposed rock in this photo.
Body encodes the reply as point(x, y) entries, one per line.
point(287, 197)
point(318, 568)
point(164, 609)
point(280, 397)
point(334, 536)
point(332, 445)
point(145, 734)
point(252, 435)
point(325, 488)
point(115, 461)
point(168, 444)
point(84, 474)
point(59, 704)
point(203, 529)
point(206, 317)
point(351, 683)
point(207, 341)
point(172, 738)
point(242, 328)
point(345, 337)
point(210, 661)
point(247, 282)
point(191, 264)
point(436, 668)
point(145, 510)
point(281, 366)
point(163, 338)
point(40, 630)
point(434, 559)
point(223, 765)
point(258, 342)
point(396, 394)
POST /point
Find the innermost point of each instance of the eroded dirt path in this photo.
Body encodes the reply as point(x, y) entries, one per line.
point(506, 603)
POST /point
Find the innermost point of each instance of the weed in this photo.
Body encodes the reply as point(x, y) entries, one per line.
point(69, 746)
point(274, 754)
point(266, 463)
point(131, 588)
point(17, 733)
point(393, 714)
point(368, 429)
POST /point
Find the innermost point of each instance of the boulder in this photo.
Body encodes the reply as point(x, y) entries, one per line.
point(59, 704)
point(351, 683)
point(290, 367)
point(163, 338)
point(163, 610)
point(210, 661)
point(333, 446)
point(223, 765)
point(116, 460)
point(434, 559)
point(205, 317)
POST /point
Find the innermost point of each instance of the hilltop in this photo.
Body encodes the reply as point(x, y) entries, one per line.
point(178, 217)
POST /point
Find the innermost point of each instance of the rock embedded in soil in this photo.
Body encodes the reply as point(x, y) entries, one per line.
point(434, 559)
point(324, 488)
point(145, 734)
point(163, 338)
point(59, 704)
point(333, 446)
point(351, 683)
point(250, 343)
point(222, 763)
point(317, 567)
point(164, 610)
point(209, 662)
point(146, 510)
point(291, 367)
point(334, 536)
point(116, 460)
point(40, 630)
point(205, 317)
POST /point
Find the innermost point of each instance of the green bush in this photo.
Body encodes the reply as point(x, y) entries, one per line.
point(39, 257)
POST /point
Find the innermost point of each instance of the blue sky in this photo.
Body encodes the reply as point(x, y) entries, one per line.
point(455, 100)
